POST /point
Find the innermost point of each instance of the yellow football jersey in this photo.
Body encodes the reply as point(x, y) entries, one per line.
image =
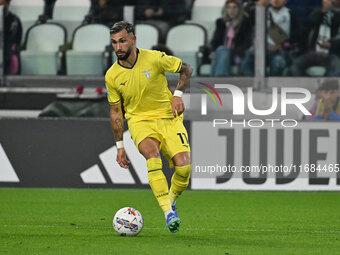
point(143, 87)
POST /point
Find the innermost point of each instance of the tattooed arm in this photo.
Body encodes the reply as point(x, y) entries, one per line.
point(117, 123)
point(184, 81)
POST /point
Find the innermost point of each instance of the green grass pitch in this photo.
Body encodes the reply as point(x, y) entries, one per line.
point(79, 221)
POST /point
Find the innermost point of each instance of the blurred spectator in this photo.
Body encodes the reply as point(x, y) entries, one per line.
point(106, 12)
point(303, 8)
point(300, 8)
point(12, 34)
point(328, 107)
point(324, 55)
point(161, 13)
point(231, 39)
point(283, 30)
point(326, 20)
point(249, 7)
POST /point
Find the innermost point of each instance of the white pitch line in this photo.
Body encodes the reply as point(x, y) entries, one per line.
point(186, 229)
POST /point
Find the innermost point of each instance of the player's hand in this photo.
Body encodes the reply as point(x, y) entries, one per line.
point(325, 44)
point(177, 106)
point(121, 158)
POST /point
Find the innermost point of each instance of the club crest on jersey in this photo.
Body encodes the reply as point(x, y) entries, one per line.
point(147, 73)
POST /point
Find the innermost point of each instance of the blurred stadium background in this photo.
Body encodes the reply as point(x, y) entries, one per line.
point(55, 133)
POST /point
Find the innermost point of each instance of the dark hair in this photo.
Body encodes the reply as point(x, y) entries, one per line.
point(331, 84)
point(120, 26)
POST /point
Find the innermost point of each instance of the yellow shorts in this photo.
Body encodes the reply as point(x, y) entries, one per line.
point(171, 134)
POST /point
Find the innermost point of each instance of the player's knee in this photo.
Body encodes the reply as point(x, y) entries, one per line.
point(183, 172)
point(180, 179)
point(149, 148)
point(182, 159)
point(152, 154)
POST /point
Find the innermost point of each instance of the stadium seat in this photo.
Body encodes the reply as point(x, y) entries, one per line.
point(89, 54)
point(187, 49)
point(205, 14)
point(28, 11)
point(205, 70)
point(41, 54)
point(147, 36)
point(316, 71)
point(71, 14)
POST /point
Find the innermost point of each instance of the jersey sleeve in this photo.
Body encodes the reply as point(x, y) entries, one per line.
point(169, 64)
point(113, 95)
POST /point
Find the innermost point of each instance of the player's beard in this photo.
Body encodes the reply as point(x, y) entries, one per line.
point(126, 55)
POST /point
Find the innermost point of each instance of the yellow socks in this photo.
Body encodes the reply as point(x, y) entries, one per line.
point(179, 181)
point(158, 183)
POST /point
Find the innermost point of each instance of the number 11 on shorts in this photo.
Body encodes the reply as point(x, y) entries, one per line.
point(185, 141)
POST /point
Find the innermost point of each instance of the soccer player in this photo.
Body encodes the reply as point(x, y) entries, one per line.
point(154, 116)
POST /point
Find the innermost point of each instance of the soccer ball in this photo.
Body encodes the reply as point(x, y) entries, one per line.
point(128, 222)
